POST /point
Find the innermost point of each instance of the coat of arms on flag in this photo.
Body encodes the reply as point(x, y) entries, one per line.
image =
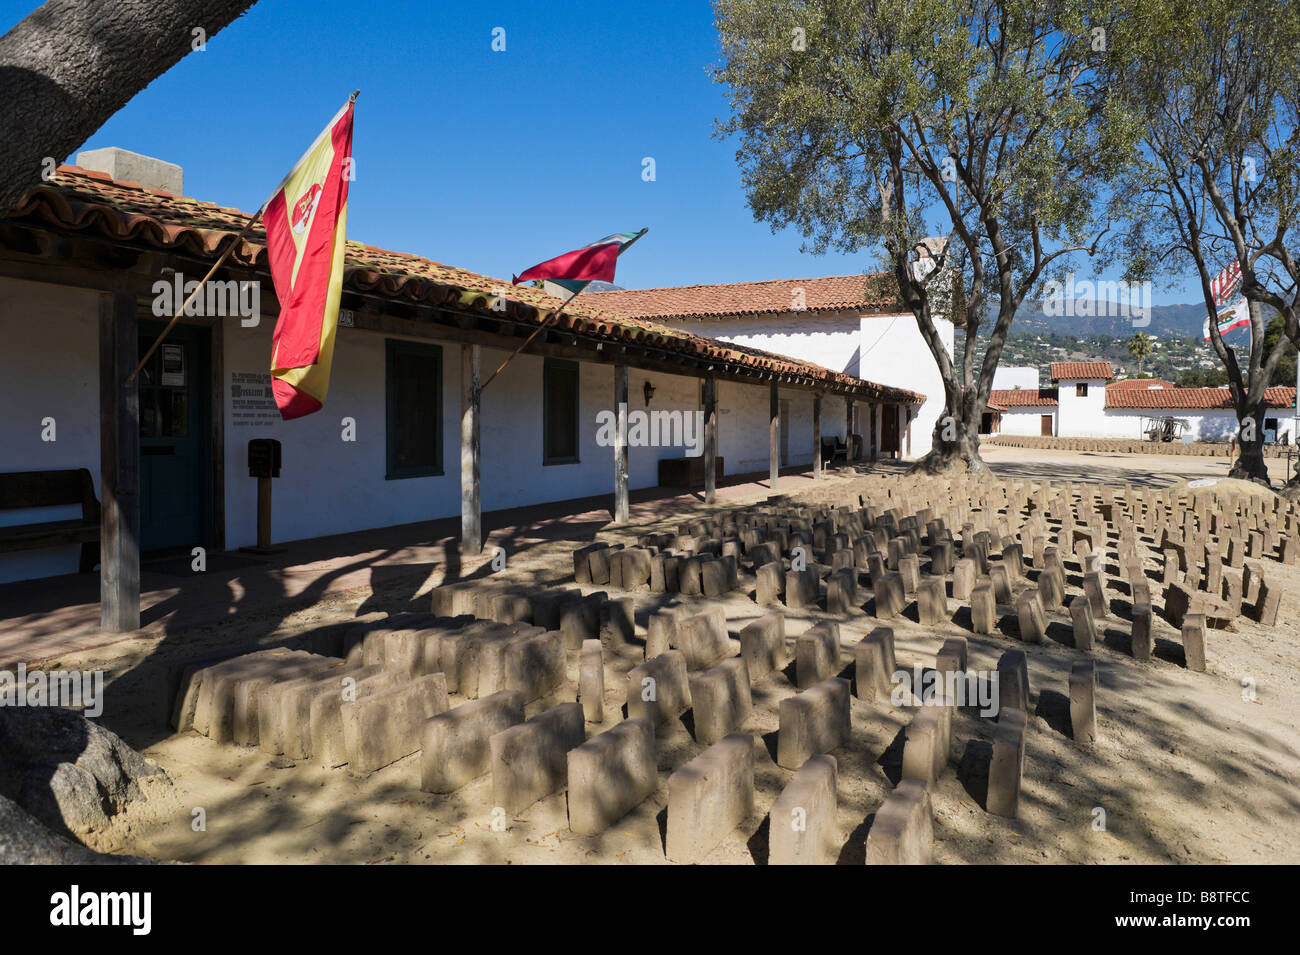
point(1229, 319)
point(306, 226)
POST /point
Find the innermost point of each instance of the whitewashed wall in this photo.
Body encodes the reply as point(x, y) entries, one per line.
point(1082, 417)
point(1028, 421)
point(49, 367)
point(885, 349)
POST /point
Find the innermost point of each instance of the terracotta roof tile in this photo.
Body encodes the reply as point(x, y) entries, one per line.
point(1205, 399)
point(1141, 384)
point(1023, 398)
point(1081, 369)
point(862, 293)
point(85, 200)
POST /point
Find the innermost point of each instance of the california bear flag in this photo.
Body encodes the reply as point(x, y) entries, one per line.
point(306, 226)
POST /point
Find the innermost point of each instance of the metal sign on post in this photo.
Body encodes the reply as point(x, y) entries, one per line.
point(264, 464)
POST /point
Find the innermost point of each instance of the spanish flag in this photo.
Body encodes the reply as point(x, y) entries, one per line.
point(306, 225)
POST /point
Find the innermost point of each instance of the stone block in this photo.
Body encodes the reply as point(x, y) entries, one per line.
point(817, 654)
point(802, 829)
point(720, 699)
point(762, 644)
point(387, 726)
point(610, 775)
point(591, 681)
point(812, 722)
point(530, 760)
point(457, 744)
point(709, 797)
point(1083, 705)
point(903, 831)
point(659, 690)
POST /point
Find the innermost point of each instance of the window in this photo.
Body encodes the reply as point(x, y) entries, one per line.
point(559, 412)
point(1081, 390)
point(414, 409)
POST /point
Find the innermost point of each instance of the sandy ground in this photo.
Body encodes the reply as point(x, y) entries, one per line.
point(1188, 766)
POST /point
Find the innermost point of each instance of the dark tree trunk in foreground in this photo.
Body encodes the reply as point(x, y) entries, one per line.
point(72, 64)
point(1250, 464)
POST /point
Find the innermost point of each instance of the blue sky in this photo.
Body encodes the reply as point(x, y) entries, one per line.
point(491, 161)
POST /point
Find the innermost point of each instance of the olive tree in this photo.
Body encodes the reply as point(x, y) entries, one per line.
point(876, 124)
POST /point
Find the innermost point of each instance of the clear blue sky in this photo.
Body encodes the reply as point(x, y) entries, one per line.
point(491, 161)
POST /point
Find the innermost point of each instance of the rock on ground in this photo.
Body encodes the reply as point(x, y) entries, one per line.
point(69, 773)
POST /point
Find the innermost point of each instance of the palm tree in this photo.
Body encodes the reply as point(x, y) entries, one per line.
point(1139, 346)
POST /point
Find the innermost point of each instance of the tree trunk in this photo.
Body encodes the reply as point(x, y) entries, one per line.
point(72, 64)
point(1250, 464)
point(954, 444)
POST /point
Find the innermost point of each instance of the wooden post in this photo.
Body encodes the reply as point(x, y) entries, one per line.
point(471, 398)
point(773, 436)
point(817, 436)
point(907, 410)
point(264, 513)
point(848, 429)
point(710, 439)
point(875, 428)
point(620, 446)
point(119, 461)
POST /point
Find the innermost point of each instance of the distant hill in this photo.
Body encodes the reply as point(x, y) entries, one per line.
point(1167, 321)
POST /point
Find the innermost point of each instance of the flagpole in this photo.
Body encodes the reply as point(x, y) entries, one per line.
point(242, 232)
point(556, 314)
point(198, 288)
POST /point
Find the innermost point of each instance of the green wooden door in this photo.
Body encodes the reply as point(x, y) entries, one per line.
point(175, 435)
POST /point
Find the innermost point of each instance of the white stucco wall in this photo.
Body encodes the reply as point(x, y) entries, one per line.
point(1082, 417)
point(1026, 421)
point(49, 367)
point(892, 352)
point(886, 349)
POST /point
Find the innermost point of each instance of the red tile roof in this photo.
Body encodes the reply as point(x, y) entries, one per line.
point(1142, 384)
point(1208, 399)
point(81, 200)
point(858, 293)
point(1081, 369)
point(1023, 397)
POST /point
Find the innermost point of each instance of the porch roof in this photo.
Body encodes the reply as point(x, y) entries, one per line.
point(85, 201)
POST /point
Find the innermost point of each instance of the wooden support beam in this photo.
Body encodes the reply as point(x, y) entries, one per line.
point(817, 436)
point(620, 446)
point(471, 396)
point(907, 410)
point(710, 439)
point(119, 460)
point(773, 436)
point(848, 429)
point(875, 431)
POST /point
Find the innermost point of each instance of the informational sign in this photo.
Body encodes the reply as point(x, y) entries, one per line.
point(252, 404)
point(173, 367)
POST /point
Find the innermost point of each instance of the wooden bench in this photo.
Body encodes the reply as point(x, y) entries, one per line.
point(686, 472)
point(21, 490)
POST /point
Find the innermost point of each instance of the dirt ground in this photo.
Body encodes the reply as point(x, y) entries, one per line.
point(1188, 767)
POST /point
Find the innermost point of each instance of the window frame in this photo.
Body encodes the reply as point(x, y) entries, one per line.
point(393, 347)
point(1081, 389)
point(548, 365)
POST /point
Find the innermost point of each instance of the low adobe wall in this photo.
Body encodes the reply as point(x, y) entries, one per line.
point(1121, 446)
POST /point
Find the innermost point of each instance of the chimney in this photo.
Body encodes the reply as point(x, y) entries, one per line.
point(126, 166)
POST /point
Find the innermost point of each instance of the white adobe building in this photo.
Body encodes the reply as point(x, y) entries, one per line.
point(1088, 403)
point(403, 436)
point(851, 324)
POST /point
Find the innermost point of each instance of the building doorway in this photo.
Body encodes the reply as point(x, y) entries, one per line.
point(175, 439)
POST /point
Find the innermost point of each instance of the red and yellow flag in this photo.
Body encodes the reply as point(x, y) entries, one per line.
point(306, 224)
